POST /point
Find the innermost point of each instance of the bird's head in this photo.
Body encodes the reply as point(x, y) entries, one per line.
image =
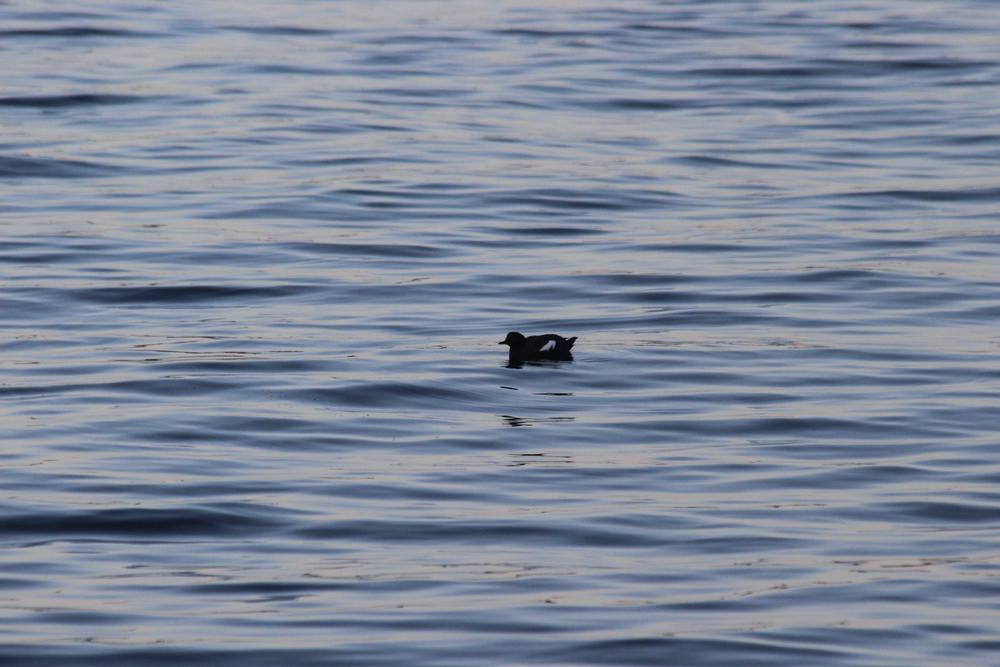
point(513, 338)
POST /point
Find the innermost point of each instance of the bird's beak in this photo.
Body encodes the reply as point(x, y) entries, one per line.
point(501, 342)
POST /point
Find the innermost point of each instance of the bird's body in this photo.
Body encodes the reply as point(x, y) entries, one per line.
point(550, 347)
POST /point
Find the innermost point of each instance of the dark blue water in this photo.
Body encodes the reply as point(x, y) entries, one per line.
point(256, 258)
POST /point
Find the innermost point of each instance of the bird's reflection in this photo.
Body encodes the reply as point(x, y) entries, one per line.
point(514, 421)
point(552, 363)
point(520, 460)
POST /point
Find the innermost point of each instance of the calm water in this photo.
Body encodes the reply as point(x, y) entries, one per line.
point(256, 257)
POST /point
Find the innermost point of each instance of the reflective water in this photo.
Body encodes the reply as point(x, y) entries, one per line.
point(256, 258)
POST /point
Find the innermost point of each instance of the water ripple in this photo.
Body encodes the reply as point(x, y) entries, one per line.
point(77, 100)
point(256, 265)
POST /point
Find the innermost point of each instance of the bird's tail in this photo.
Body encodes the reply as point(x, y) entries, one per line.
point(570, 342)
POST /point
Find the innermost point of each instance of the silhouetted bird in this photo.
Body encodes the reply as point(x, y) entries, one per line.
point(537, 348)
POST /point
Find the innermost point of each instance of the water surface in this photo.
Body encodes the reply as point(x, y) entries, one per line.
point(255, 261)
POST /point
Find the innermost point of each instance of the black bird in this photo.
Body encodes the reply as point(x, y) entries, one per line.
point(536, 348)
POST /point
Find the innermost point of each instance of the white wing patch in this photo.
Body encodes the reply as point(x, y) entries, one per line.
point(551, 345)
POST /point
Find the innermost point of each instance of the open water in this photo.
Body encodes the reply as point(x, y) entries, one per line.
point(255, 258)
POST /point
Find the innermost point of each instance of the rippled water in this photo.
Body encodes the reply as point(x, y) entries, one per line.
point(256, 257)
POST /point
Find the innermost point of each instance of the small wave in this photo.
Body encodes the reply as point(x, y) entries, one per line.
point(88, 652)
point(858, 476)
point(702, 317)
point(639, 104)
point(599, 200)
point(8, 583)
point(388, 250)
point(390, 395)
point(860, 278)
point(714, 161)
point(283, 30)
point(697, 651)
point(73, 31)
point(481, 532)
point(697, 248)
point(170, 294)
point(678, 29)
point(244, 588)
point(538, 33)
point(780, 73)
point(927, 65)
point(134, 522)
point(158, 387)
point(32, 167)
point(950, 513)
point(639, 279)
point(238, 365)
point(73, 100)
point(282, 69)
point(961, 195)
point(676, 296)
point(550, 231)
